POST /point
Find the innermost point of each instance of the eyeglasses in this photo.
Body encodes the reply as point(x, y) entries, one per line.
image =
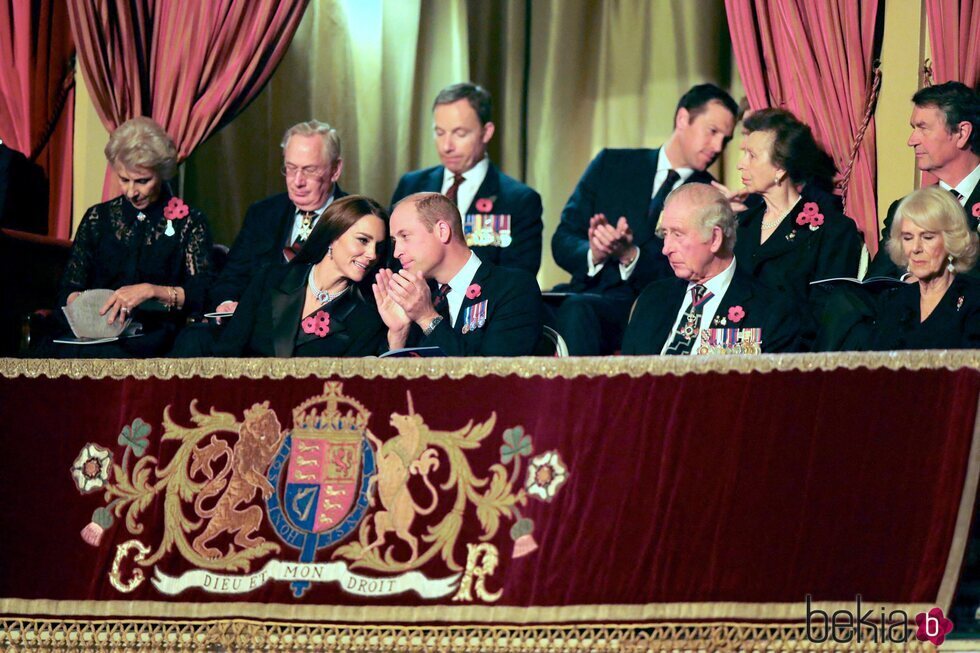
point(308, 172)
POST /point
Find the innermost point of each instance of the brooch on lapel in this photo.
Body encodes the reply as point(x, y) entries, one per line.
point(976, 210)
point(318, 323)
point(473, 291)
point(959, 301)
point(810, 215)
point(475, 316)
point(175, 209)
point(735, 315)
point(486, 227)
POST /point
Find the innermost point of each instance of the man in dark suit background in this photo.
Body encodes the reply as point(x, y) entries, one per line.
point(501, 216)
point(23, 193)
point(709, 305)
point(946, 137)
point(607, 236)
point(477, 308)
point(275, 228)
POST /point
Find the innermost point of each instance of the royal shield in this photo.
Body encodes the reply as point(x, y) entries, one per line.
point(322, 479)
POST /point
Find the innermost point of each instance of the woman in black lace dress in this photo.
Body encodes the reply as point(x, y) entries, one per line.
point(146, 245)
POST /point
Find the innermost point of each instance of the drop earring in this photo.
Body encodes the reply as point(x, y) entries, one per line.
point(949, 265)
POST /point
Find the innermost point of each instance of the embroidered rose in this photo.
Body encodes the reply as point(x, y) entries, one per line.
point(473, 291)
point(545, 475)
point(175, 209)
point(736, 313)
point(91, 468)
point(976, 210)
point(318, 323)
point(484, 205)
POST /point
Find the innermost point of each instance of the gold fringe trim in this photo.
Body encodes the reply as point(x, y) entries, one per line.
point(456, 368)
point(240, 635)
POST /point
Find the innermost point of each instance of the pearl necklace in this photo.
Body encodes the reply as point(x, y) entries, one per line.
point(775, 223)
point(322, 296)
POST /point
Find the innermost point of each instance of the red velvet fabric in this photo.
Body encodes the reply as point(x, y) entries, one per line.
point(191, 66)
point(35, 47)
point(702, 488)
point(815, 59)
point(953, 29)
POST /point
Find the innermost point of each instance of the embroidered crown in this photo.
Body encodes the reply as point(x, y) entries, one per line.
point(332, 413)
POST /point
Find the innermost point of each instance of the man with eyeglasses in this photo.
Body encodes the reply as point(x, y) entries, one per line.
point(275, 228)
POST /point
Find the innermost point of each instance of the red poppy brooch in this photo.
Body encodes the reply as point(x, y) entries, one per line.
point(810, 215)
point(318, 323)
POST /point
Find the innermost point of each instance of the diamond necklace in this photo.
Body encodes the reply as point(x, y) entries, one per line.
point(322, 296)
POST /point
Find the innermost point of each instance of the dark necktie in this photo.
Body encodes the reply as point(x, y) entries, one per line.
point(440, 300)
point(657, 203)
point(453, 190)
point(956, 194)
point(690, 327)
point(290, 251)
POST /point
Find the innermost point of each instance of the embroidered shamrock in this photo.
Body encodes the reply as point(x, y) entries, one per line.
point(318, 323)
point(176, 209)
point(473, 291)
point(735, 314)
point(810, 215)
point(484, 205)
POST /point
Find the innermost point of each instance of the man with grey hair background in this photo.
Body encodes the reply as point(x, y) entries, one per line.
point(710, 306)
point(276, 227)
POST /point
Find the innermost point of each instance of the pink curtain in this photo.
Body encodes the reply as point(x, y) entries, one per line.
point(954, 35)
point(191, 66)
point(814, 57)
point(37, 97)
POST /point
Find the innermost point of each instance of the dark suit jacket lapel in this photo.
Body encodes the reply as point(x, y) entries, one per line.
point(781, 242)
point(489, 188)
point(662, 330)
point(640, 186)
point(483, 273)
point(973, 199)
point(287, 218)
point(739, 293)
point(287, 306)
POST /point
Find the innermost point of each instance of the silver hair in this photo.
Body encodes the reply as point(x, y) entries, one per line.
point(328, 136)
point(141, 142)
point(710, 209)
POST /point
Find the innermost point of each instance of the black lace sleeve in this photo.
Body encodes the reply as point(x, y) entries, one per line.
point(198, 269)
point(78, 272)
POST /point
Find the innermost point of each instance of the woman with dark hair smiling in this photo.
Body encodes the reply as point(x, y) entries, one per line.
point(941, 309)
point(312, 307)
point(795, 236)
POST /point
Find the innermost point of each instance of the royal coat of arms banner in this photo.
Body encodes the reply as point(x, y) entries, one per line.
point(578, 502)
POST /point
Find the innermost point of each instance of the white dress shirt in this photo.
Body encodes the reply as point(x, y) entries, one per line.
point(663, 168)
point(458, 285)
point(965, 187)
point(298, 218)
point(717, 286)
point(472, 180)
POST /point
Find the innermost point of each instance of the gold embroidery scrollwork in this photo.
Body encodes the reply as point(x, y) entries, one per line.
point(115, 576)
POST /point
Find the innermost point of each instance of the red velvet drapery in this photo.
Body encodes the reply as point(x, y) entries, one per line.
point(815, 59)
point(954, 26)
point(191, 66)
point(36, 49)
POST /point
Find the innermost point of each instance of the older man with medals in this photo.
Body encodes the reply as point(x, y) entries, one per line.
point(710, 306)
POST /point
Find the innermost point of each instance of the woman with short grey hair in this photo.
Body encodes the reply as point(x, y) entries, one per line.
point(146, 245)
point(940, 307)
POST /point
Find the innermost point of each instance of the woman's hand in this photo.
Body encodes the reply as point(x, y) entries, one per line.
point(72, 297)
point(391, 313)
point(735, 198)
point(125, 299)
